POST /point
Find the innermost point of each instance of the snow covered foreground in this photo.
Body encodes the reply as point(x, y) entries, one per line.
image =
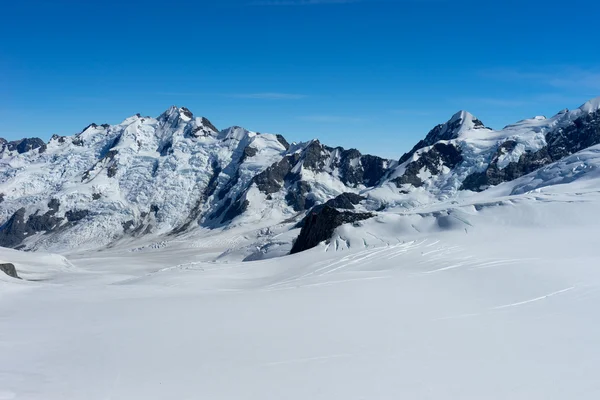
point(496, 300)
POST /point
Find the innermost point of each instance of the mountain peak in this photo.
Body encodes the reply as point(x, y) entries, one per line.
point(461, 115)
point(466, 120)
point(591, 106)
point(175, 112)
point(462, 121)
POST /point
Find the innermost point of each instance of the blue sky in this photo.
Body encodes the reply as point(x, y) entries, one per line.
point(372, 74)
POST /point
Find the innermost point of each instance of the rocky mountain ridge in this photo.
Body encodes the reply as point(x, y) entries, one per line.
point(176, 173)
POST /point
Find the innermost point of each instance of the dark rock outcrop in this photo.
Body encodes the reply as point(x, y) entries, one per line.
point(357, 169)
point(374, 168)
point(209, 125)
point(583, 133)
point(127, 225)
point(493, 175)
point(9, 269)
point(439, 155)
point(447, 131)
point(350, 166)
point(282, 140)
point(345, 201)
point(24, 145)
point(166, 148)
point(17, 228)
point(354, 167)
point(53, 205)
point(206, 128)
point(58, 138)
point(249, 152)
point(298, 196)
point(314, 156)
point(272, 179)
point(320, 224)
point(562, 142)
point(213, 181)
point(185, 112)
point(76, 215)
point(42, 223)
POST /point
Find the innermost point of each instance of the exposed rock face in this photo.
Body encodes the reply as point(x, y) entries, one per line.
point(23, 145)
point(76, 215)
point(373, 169)
point(127, 225)
point(53, 205)
point(320, 224)
point(15, 230)
point(273, 178)
point(448, 131)
point(493, 175)
point(354, 168)
point(176, 171)
point(9, 269)
point(18, 227)
point(298, 196)
point(249, 152)
point(58, 138)
point(42, 223)
point(185, 112)
point(284, 142)
point(439, 156)
point(583, 133)
point(345, 201)
point(314, 156)
point(562, 142)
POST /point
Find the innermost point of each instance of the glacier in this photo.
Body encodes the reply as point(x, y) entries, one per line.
point(157, 263)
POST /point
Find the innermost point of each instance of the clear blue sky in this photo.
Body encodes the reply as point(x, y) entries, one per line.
point(371, 74)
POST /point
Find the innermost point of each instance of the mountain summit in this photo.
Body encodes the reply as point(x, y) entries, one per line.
point(174, 174)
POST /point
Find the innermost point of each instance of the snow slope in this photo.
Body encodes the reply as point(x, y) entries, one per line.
point(487, 296)
point(447, 292)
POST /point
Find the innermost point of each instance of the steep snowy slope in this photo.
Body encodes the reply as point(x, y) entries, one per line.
point(150, 176)
point(464, 155)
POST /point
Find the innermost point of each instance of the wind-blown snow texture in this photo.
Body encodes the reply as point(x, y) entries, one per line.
point(177, 173)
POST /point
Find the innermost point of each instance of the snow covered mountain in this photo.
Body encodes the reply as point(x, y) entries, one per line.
point(164, 175)
point(454, 272)
point(179, 175)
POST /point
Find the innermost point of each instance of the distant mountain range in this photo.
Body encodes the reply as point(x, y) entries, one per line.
point(177, 173)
